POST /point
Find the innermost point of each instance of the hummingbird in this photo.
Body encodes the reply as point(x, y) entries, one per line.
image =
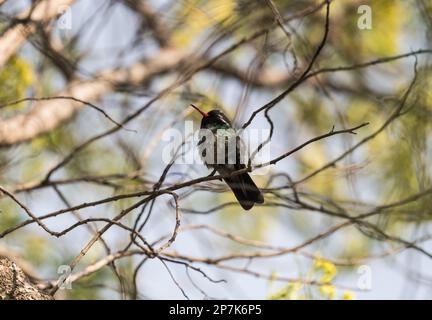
point(220, 135)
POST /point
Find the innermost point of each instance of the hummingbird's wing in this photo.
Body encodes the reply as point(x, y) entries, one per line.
point(243, 187)
point(245, 190)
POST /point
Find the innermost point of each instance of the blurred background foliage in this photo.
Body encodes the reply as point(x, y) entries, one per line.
point(393, 165)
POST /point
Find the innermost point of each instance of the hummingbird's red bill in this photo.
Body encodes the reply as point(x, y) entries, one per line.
point(204, 114)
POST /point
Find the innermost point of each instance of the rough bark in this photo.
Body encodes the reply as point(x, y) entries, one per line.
point(14, 284)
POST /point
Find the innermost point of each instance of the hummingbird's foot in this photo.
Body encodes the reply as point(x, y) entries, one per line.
point(213, 173)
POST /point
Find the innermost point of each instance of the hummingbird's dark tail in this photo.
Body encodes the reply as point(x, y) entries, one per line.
point(245, 190)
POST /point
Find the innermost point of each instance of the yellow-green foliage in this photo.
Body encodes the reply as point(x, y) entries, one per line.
point(322, 272)
point(35, 248)
point(9, 214)
point(199, 16)
point(388, 19)
point(290, 292)
point(59, 138)
point(85, 288)
point(355, 244)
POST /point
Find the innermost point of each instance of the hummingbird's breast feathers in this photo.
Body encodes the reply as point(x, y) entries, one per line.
point(219, 144)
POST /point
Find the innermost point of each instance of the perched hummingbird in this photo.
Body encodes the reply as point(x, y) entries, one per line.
point(220, 136)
